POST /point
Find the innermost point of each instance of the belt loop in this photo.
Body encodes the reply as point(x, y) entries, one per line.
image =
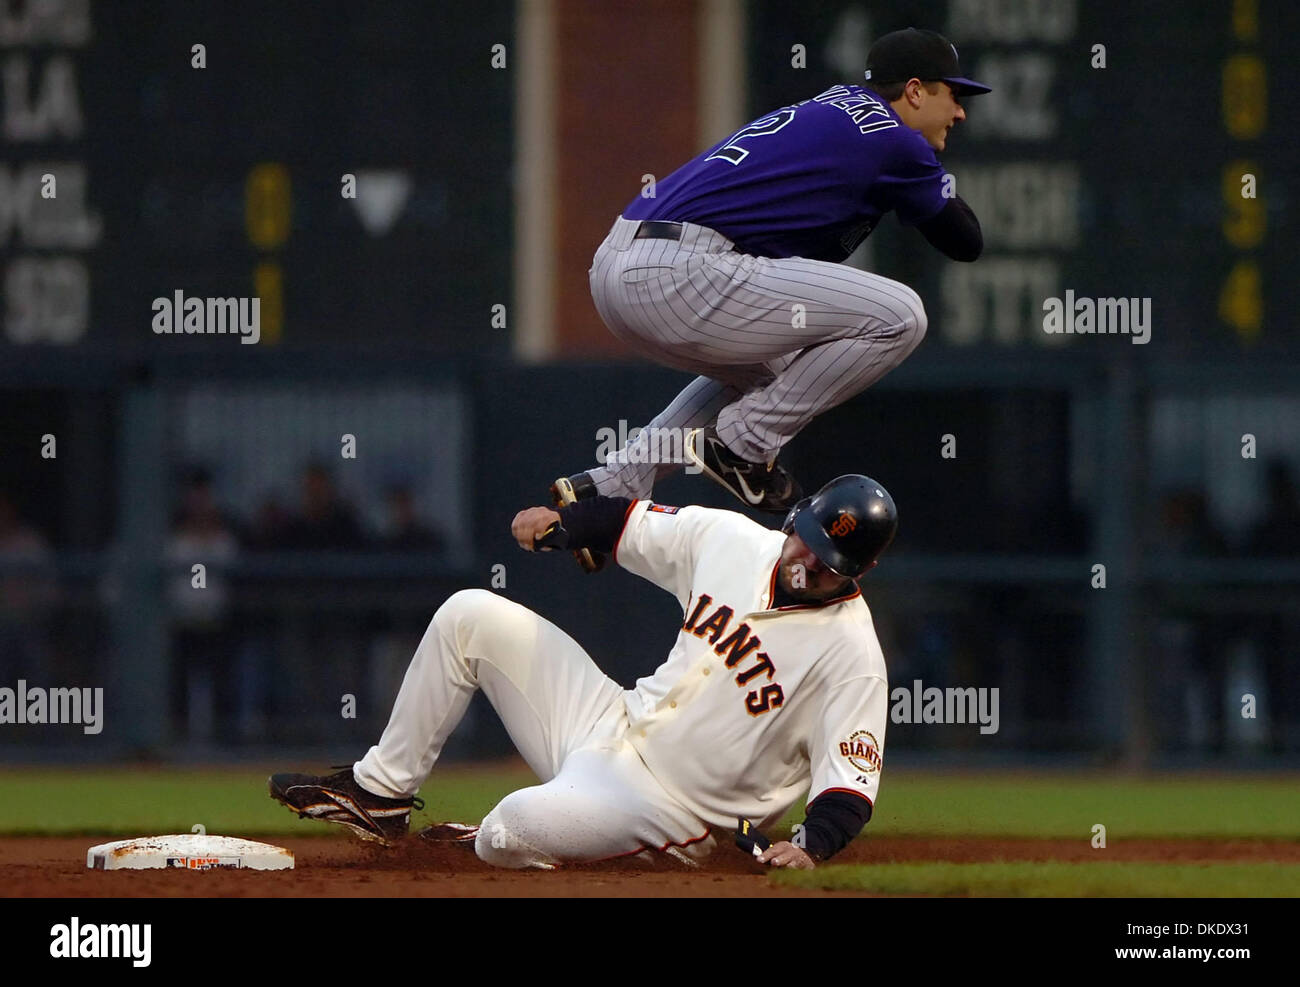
point(623, 233)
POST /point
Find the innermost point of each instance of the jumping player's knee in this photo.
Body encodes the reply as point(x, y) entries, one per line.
point(914, 322)
point(506, 837)
point(901, 323)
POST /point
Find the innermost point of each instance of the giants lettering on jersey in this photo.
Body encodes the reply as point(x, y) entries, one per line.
point(735, 648)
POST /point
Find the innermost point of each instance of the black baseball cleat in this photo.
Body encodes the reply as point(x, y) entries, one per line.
point(569, 490)
point(337, 798)
point(762, 486)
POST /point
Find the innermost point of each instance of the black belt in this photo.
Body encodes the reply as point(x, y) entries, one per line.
point(654, 229)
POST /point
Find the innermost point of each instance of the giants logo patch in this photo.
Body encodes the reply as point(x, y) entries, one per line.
point(663, 509)
point(862, 751)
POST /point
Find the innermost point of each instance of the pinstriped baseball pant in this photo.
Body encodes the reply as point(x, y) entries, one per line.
point(775, 341)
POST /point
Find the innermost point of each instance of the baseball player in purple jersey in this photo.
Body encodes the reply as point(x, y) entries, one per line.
point(733, 271)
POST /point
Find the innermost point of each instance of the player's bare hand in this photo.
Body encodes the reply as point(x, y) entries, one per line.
point(786, 854)
point(530, 524)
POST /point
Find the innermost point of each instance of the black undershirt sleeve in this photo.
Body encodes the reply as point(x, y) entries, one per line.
point(833, 820)
point(595, 523)
point(954, 230)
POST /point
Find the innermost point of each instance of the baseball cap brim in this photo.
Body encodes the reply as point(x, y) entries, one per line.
point(967, 87)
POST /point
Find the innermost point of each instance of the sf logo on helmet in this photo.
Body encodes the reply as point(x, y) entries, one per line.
point(843, 524)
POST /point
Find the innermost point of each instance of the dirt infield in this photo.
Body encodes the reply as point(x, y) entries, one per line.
point(340, 867)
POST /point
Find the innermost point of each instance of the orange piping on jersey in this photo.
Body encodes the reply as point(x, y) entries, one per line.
point(850, 791)
point(618, 541)
point(771, 596)
point(646, 846)
point(857, 591)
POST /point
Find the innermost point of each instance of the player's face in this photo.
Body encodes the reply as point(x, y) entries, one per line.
point(803, 575)
point(939, 113)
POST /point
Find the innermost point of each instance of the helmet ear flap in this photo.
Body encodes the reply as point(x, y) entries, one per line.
point(787, 525)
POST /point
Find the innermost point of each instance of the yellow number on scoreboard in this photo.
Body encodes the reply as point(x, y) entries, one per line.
point(1241, 300)
point(1245, 96)
point(268, 285)
point(1245, 19)
point(1244, 218)
point(267, 205)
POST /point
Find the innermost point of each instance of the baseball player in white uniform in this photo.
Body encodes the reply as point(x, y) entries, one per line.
point(732, 270)
point(775, 687)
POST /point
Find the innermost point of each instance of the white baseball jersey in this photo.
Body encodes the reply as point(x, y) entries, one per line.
point(753, 703)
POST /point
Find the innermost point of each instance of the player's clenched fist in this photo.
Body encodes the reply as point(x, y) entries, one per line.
point(786, 854)
point(531, 524)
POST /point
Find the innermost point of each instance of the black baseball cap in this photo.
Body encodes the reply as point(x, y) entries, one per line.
point(915, 54)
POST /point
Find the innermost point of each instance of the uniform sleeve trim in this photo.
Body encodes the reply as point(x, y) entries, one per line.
point(618, 541)
point(850, 791)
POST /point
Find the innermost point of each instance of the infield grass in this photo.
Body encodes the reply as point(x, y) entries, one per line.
point(133, 800)
point(1019, 879)
point(1066, 806)
point(227, 801)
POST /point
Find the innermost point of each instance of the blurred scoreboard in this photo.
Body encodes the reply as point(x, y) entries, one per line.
point(1127, 150)
point(152, 147)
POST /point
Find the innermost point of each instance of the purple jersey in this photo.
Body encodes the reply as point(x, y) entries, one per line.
point(810, 180)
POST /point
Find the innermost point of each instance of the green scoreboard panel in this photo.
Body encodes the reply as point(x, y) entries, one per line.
point(204, 148)
point(1138, 151)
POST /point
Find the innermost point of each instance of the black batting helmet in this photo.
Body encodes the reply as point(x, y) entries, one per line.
point(846, 524)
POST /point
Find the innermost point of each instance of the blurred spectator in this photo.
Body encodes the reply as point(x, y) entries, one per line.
point(200, 535)
point(316, 659)
point(1186, 673)
point(1185, 526)
point(269, 526)
point(1278, 531)
point(26, 563)
point(326, 521)
point(28, 589)
point(1270, 649)
point(405, 531)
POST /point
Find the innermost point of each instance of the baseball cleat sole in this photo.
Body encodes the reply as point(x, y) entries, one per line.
point(450, 834)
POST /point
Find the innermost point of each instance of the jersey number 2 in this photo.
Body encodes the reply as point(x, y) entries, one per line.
point(733, 152)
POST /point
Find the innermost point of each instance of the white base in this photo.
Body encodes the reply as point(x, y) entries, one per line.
point(188, 851)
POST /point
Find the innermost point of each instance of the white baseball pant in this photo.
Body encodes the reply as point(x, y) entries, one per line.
point(776, 341)
point(568, 719)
